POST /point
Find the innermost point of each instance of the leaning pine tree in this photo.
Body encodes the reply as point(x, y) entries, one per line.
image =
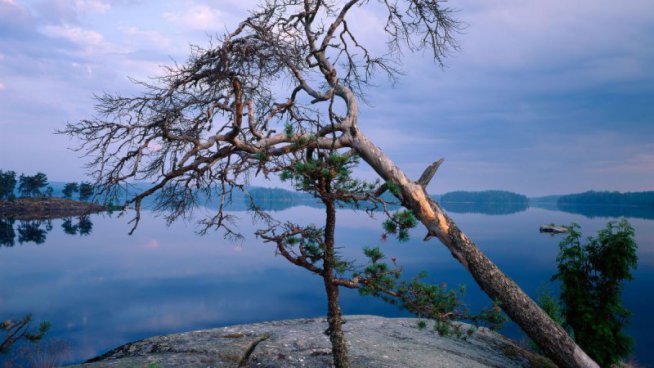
point(228, 112)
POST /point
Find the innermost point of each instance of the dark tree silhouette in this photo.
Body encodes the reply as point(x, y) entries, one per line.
point(7, 184)
point(84, 225)
point(69, 189)
point(85, 191)
point(30, 186)
point(33, 231)
point(68, 227)
point(7, 233)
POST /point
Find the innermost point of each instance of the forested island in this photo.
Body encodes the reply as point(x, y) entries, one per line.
point(491, 202)
point(486, 196)
point(32, 197)
point(644, 199)
point(46, 208)
point(600, 204)
point(609, 204)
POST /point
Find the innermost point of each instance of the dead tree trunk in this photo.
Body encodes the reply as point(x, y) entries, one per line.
point(554, 341)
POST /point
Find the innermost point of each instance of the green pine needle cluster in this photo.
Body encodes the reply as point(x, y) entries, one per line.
point(427, 300)
point(309, 175)
point(16, 330)
point(400, 223)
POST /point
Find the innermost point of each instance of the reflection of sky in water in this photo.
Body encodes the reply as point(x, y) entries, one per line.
point(108, 288)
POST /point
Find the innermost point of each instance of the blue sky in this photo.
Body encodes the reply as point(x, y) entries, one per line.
point(543, 97)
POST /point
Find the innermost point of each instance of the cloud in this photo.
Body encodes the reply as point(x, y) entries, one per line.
point(198, 17)
point(148, 39)
point(15, 18)
point(518, 34)
point(392, 138)
point(2, 86)
point(532, 79)
point(83, 37)
point(98, 6)
point(635, 163)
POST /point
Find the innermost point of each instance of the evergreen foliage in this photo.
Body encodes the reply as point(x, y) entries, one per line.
point(609, 198)
point(592, 279)
point(432, 301)
point(30, 186)
point(308, 176)
point(36, 231)
point(31, 231)
point(327, 176)
point(16, 330)
point(7, 184)
point(85, 191)
point(487, 196)
point(7, 233)
point(551, 305)
point(69, 189)
point(400, 223)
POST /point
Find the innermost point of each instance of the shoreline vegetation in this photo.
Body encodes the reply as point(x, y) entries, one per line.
point(491, 202)
point(45, 208)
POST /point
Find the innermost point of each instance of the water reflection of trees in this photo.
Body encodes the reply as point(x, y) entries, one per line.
point(491, 208)
point(7, 233)
point(592, 211)
point(35, 231)
point(84, 226)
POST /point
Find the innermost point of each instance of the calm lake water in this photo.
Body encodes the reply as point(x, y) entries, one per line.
point(104, 288)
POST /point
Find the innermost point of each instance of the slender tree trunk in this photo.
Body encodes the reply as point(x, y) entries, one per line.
point(334, 315)
point(554, 341)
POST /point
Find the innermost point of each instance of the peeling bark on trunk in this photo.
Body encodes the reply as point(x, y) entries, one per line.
point(554, 341)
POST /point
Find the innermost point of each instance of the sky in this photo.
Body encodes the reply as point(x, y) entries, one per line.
point(542, 97)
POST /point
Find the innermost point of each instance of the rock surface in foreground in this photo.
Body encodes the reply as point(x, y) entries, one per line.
point(372, 341)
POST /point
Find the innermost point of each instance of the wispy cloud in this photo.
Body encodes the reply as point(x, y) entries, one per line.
point(394, 138)
point(198, 17)
point(636, 163)
point(149, 38)
point(83, 37)
point(98, 6)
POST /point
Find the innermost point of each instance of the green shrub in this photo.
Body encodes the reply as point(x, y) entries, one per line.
point(592, 278)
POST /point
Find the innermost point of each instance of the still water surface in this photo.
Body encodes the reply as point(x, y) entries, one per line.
point(104, 288)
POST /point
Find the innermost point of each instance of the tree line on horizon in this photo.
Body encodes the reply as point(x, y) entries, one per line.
point(609, 198)
point(37, 185)
point(498, 196)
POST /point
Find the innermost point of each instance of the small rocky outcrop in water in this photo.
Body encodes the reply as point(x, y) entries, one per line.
point(46, 208)
point(373, 342)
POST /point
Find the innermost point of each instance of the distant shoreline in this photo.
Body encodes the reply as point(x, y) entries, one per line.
point(46, 208)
